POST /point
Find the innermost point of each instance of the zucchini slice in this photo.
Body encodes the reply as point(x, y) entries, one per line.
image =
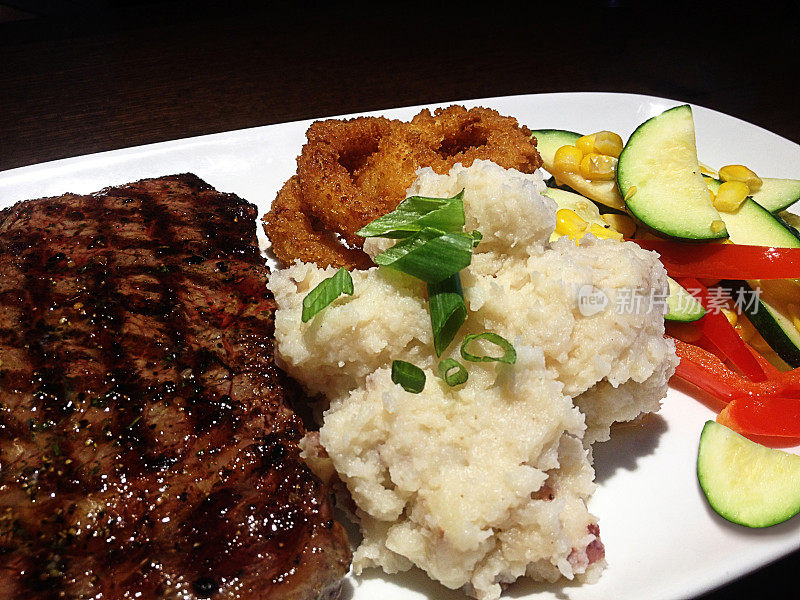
point(659, 177)
point(604, 192)
point(753, 225)
point(550, 140)
point(777, 194)
point(747, 483)
point(770, 321)
point(682, 305)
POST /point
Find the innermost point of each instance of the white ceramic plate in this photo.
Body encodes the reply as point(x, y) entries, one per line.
point(660, 535)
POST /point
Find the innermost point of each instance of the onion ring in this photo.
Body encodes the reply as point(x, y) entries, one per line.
point(346, 200)
point(329, 168)
point(351, 172)
point(294, 236)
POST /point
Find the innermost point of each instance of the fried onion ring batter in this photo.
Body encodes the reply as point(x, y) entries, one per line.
point(330, 167)
point(293, 234)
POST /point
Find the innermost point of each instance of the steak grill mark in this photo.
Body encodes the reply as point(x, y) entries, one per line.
point(146, 445)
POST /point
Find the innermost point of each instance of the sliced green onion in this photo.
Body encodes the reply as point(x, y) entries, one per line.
point(417, 212)
point(430, 254)
point(452, 379)
point(448, 311)
point(509, 354)
point(326, 292)
point(410, 377)
point(477, 236)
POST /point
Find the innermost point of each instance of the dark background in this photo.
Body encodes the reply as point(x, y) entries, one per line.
point(95, 75)
point(84, 76)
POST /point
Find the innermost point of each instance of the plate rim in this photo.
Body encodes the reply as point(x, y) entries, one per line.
point(124, 150)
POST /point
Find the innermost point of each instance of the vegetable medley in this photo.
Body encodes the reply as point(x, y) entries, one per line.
point(734, 265)
point(725, 349)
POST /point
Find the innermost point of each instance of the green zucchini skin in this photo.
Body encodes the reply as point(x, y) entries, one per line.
point(754, 225)
point(776, 329)
point(683, 307)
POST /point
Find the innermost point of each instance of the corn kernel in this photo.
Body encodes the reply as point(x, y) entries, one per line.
point(567, 159)
point(604, 233)
point(743, 174)
point(608, 143)
point(569, 223)
point(717, 225)
point(598, 167)
point(711, 196)
point(622, 223)
point(730, 196)
point(631, 191)
point(730, 315)
point(586, 143)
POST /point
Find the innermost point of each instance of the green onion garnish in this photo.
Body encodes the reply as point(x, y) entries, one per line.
point(452, 379)
point(430, 254)
point(326, 292)
point(477, 236)
point(417, 212)
point(448, 311)
point(410, 377)
point(509, 354)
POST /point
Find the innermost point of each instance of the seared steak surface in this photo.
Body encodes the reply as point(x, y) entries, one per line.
point(147, 447)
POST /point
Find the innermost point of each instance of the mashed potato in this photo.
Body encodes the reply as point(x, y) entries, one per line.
point(482, 483)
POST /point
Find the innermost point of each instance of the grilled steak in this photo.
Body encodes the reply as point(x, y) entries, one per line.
point(147, 445)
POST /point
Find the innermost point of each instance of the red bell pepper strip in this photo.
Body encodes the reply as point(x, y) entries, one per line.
point(725, 261)
point(706, 380)
point(767, 408)
point(791, 376)
point(707, 371)
point(770, 370)
point(722, 335)
point(763, 415)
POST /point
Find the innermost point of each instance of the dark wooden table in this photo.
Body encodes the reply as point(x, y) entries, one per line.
point(142, 73)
